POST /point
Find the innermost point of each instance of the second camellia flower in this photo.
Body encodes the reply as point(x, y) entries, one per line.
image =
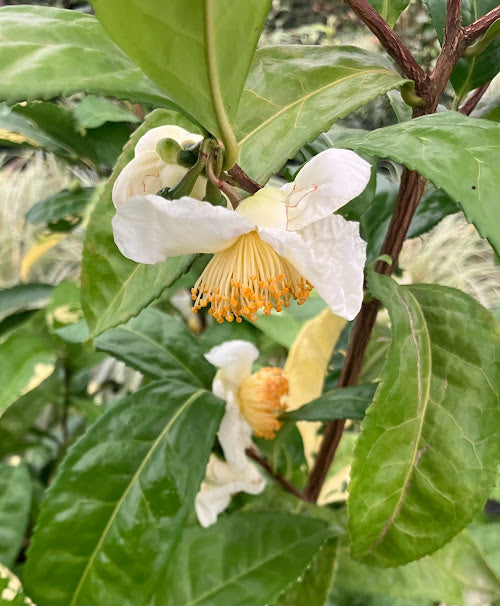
point(275, 246)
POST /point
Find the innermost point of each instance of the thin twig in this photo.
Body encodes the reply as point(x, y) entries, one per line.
point(475, 30)
point(392, 43)
point(225, 188)
point(473, 100)
point(264, 463)
point(243, 180)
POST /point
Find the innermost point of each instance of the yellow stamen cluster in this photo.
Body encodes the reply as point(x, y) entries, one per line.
point(262, 396)
point(247, 276)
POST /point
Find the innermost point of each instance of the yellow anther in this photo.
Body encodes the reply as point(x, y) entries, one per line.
point(262, 396)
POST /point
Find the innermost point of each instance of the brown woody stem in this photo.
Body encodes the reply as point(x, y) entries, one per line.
point(475, 30)
point(410, 192)
point(473, 100)
point(392, 43)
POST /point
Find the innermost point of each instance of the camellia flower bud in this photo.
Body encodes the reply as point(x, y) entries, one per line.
point(155, 165)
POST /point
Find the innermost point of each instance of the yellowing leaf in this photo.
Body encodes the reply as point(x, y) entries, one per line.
point(17, 138)
point(306, 366)
point(36, 252)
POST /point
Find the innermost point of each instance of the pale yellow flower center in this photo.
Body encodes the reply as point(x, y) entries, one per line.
point(247, 276)
point(262, 396)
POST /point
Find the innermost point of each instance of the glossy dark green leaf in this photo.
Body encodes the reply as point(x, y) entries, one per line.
point(114, 288)
point(455, 574)
point(35, 39)
point(114, 513)
point(457, 153)
point(66, 206)
point(389, 10)
point(25, 361)
point(92, 112)
point(198, 52)
point(341, 403)
point(428, 451)
point(295, 92)
point(15, 500)
point(23, 297)
point(475, 71)
point(246, 558)
point(11, 591)
point(312, 588)
point(156, 343)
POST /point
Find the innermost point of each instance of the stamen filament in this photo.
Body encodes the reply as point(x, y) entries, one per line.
point(247, 276)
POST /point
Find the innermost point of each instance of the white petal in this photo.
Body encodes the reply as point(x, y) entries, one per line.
point(235, 435)
point(148, 141)
point(331, 255)
point(266, 208)
point(325, 184)
point(221, 482)
point(149, 229)
point(235, 358)
point(147, 174)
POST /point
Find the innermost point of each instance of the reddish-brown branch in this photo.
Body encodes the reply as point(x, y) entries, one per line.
point(243, 180)
point(410, 192)
point(392, 43)
point(263, 462)
point(475, 30)
point(456, 40)
point(474, 99)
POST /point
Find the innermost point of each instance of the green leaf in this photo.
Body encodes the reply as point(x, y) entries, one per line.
point(58, 124)
point(288, 96)
point(16, 129)
point(203, 64)
point(313, 586)
point(486, 536)
point(25, 361)
point(455, 574)
point(92, 112)
point(156, 343)
point(475, 71)
point(46, 52)
point(114, 288)
point(62, 209)
point(389, 10)
point(457, 153)
point(23, 297)
point(11, 591)
point(114, 513)
point(340, 403)
point(246, 558)
point(21, 416)
point(15, 500)
point(427, 454)
point(64, 307)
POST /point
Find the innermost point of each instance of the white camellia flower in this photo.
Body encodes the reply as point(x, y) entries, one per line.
point(278, 244)
point(253, 403)
point(147, 173)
